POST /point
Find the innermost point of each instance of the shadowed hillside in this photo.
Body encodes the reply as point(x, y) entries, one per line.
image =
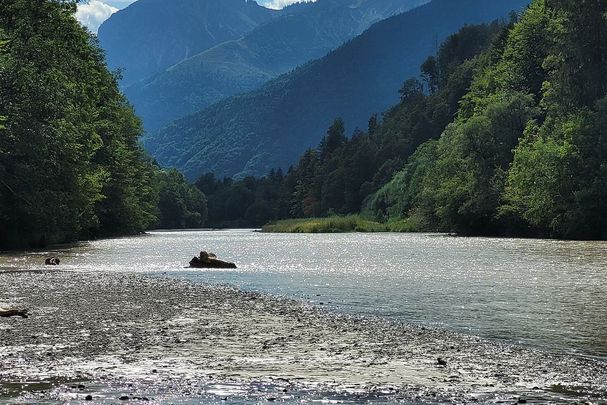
point(254, 132)
point(302, 33)
point(151, 35)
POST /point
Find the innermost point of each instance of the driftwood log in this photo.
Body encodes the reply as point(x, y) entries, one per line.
point(7, 313)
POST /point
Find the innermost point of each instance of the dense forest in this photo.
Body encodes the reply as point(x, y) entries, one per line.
point(526, 154)
point(70, 161)
point(504, 133)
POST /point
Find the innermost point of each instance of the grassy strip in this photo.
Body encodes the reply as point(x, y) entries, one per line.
point(336, 224)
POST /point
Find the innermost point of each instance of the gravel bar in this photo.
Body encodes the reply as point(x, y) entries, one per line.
point(108, 337)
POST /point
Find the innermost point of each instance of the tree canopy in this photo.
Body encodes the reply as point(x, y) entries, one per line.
point(526, 154)
point(70, 161)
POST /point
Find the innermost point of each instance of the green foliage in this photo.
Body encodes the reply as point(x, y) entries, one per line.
point(249, 202)
point(70, 162)
point(526, 153)
point(467, 180)
point(180, 204)
point(397, 198)
point(557, 180)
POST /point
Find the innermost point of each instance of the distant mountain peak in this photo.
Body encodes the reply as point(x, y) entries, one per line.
point(150, 35)
point(299, 34)
point(251, 133)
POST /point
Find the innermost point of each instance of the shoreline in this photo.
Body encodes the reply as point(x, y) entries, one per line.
point(106, 331)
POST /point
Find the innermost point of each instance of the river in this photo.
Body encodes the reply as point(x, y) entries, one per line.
point(540, 293)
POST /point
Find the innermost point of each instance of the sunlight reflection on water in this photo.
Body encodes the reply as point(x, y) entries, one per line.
point(543, 293)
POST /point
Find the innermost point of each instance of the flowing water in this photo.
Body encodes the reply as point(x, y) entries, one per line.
point(546, 294)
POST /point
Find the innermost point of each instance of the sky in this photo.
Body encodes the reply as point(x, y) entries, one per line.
point(93, 12)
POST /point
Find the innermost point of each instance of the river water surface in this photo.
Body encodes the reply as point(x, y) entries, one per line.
point(540, 293)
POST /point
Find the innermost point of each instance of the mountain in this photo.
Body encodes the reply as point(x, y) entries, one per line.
point(151, 35)
point(302, 33)
point(250, 133)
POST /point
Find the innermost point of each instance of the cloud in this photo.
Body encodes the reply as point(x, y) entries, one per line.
point(118, 3)
point(278, 4)
point(93, 13)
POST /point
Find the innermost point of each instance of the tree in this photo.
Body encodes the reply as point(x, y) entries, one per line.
point(430, 74)
point(412, 89)
point(181, 205)
point(71, 165)
point(334, 139)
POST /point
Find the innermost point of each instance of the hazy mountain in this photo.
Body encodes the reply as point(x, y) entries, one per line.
point(151, 35)
point(270, 127)
point(303, 32)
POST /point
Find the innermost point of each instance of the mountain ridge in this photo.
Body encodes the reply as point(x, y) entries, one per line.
point(251, 133)
point(298, 35)
point(173, 31)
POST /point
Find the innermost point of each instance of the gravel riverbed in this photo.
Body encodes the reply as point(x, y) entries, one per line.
point(109, 336)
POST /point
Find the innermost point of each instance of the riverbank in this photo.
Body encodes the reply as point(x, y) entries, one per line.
point(111, 336)
point(335, 224)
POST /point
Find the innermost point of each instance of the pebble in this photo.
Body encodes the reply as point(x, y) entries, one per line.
point(225, 317)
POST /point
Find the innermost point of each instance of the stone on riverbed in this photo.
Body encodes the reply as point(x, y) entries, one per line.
point(52, 261)
point(210, 261)
point(7, 313)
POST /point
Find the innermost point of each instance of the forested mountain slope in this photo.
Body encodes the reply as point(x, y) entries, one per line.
point(302, 33)
point(342, 172)
point(270, 127)
point(151, 35)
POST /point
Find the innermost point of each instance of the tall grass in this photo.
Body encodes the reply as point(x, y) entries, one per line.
point(335, 224)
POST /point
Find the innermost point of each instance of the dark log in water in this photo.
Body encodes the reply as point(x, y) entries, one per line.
point(210, 261)
point(211, 264)
point(7, 313)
